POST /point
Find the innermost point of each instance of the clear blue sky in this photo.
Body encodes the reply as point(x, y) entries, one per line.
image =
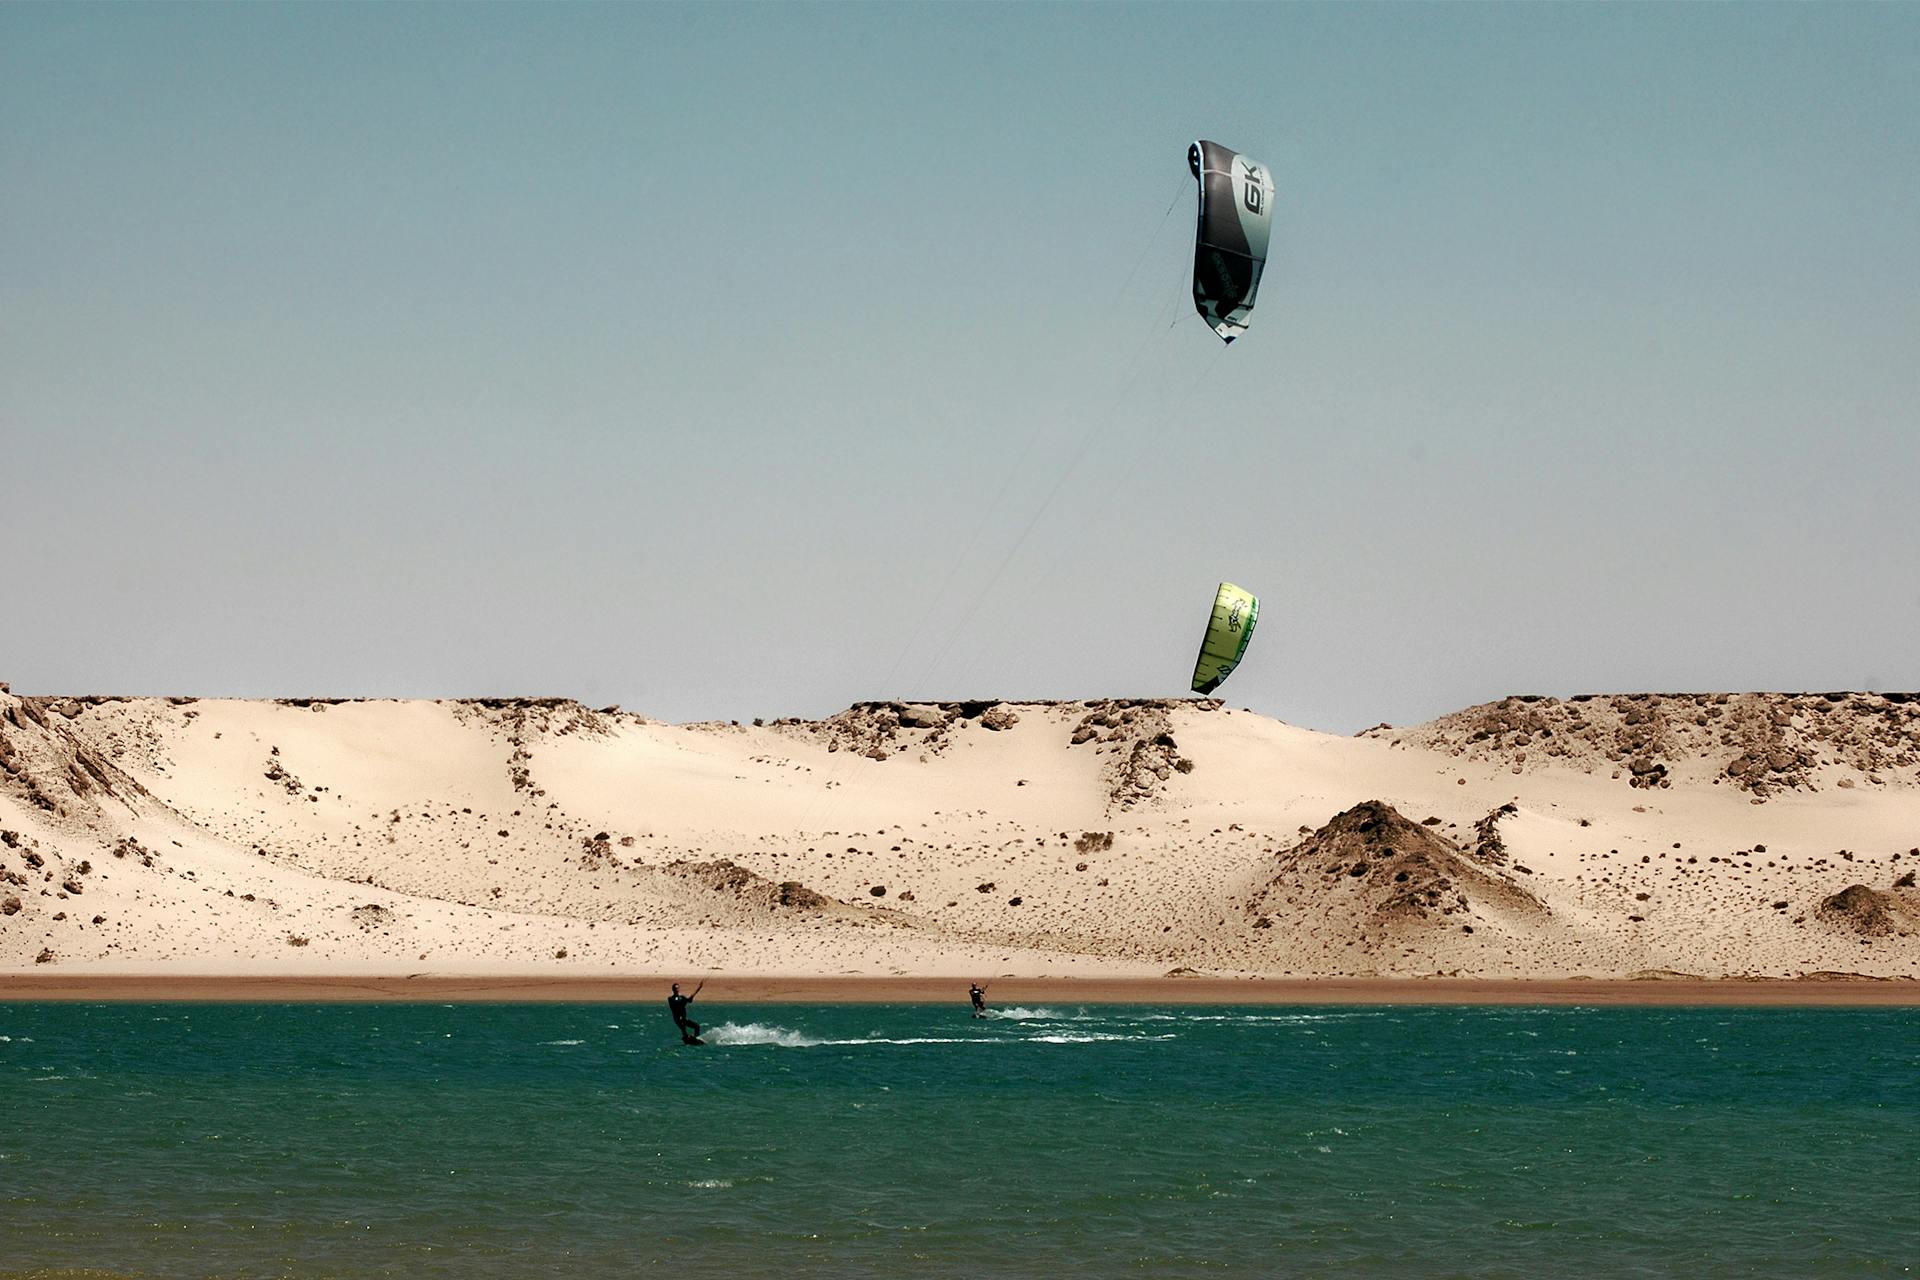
point(715, 360)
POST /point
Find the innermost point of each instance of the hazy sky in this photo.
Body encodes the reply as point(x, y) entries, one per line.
point(733, 361)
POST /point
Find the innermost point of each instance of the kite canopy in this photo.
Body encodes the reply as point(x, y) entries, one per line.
point(1230, 245)
point(1235, 611)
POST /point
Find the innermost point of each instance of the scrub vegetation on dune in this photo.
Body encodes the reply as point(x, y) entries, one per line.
point(1752, 834)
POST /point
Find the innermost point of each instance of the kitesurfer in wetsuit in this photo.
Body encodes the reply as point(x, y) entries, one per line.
point(978, 994)
point(677, 1005)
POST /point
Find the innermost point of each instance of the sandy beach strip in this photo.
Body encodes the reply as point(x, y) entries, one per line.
point(801, 989)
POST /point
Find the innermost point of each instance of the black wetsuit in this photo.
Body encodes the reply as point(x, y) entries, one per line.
point(979, 1002)
point(677, 1004)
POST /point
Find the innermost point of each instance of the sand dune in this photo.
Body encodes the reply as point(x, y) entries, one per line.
point(1752, 834)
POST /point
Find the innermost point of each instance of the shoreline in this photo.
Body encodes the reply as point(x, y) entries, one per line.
point(809, 989)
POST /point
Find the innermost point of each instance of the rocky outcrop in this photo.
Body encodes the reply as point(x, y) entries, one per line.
point(46, 764)
point(997, 718)
point(521, 722)
point(1761, 743)
point(746, 889)
point(882, 730)
point(1488, 848)
point(1137, 736)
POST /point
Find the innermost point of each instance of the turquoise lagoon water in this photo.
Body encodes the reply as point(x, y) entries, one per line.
point(584, 1140)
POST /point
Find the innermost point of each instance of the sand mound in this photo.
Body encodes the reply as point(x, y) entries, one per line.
point(1762, 743)
point(372, 915)
point(1871, 913)
point(1372, 867)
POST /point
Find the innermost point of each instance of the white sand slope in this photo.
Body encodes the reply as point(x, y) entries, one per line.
point(1536, 839)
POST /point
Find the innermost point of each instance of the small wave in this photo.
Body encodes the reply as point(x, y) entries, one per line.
point(753, 1033)
point(563, 1042)
point(1022, 1014)
point(1274, 1019)
point(757, 1033)
point(1293, 1019)
point(1089, 1037)
point(760, 1033)
point(708, 1183)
